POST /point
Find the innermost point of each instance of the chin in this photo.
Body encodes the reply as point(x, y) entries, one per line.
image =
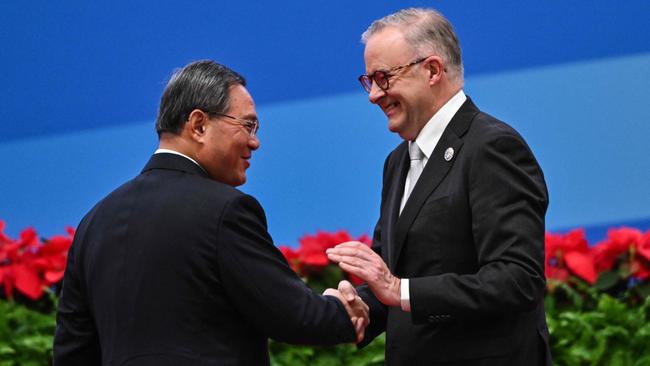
point(393, 126)
point(241, 180)
point(398, 130)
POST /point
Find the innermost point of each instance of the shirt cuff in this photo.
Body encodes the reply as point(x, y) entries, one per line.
point(405, 298)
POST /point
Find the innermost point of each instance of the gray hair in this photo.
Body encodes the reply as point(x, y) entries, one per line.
point(200, 85)
point(426, 30)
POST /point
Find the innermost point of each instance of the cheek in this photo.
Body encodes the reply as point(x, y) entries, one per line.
point(236, 150)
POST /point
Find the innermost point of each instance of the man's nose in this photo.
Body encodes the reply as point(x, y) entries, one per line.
point(375, 93)
point(254, 142)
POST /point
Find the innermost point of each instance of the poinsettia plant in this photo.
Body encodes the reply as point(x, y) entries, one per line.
point(310, 262)
point(29, 265)
point(618, 265)
point(587, 325)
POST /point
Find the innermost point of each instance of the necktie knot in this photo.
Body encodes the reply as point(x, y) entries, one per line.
point(414, 151)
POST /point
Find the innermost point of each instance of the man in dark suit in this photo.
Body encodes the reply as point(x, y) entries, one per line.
point(456, 272)
point(176, 266)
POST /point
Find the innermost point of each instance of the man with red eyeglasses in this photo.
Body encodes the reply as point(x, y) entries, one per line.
point(455, 275)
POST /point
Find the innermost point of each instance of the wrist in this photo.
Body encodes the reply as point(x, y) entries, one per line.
point(397, 291)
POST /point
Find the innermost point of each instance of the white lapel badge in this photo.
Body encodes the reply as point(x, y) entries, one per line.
point(449, 154)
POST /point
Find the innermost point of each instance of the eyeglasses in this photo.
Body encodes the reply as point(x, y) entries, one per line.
point(251, 125)
point(380, 77)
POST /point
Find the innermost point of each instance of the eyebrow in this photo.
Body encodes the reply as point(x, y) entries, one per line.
point(384, 68)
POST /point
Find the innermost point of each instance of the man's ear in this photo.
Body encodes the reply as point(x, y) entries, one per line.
point(196, 124)
point(436, 68)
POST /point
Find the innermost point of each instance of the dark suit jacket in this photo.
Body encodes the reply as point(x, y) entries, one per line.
point(174, 268)
point(471, 240)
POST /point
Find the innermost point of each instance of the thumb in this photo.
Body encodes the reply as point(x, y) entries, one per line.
point(347, 290)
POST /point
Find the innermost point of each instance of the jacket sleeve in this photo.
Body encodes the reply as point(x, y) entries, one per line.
point(75, 340)
point(378, 311)
point(508, 200)
point(260, 283)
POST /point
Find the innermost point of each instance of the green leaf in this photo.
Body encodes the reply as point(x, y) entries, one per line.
point(643, 361)
point(607, 280)
point(25, 335)
point(643, 290)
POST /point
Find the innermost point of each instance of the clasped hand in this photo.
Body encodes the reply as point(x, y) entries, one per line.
point(356, 308)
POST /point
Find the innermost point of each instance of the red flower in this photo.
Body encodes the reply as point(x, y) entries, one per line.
point(572, 241)
point(582, 265)
point(366, 239)
point(569, 251)
point(618, 242)
point(559, 274)
point(312, 251)
point(310, 257)
point(28, 265)
point(3, 238)
point(292, 256)
point(640, 270)
point(643, 248)
point(57, 244)
point(6, 280)
point(312, 247)
point(27, 281)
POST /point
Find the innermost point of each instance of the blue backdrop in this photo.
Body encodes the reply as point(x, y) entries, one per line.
point(81, 82)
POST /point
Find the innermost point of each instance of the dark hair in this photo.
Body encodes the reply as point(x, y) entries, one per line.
point(200, 85)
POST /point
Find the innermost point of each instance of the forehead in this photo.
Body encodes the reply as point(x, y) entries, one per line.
point(241, 102)
point(385, 49)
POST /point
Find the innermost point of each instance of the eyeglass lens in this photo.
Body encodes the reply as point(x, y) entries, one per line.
point(379, 77)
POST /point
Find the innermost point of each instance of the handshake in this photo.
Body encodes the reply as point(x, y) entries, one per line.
point(355, 306)
point(358, 259)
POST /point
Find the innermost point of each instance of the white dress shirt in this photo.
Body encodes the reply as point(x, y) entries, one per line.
point(427, 140)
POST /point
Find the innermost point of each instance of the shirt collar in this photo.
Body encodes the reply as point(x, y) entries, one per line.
point(168, 151)
point(432, 131)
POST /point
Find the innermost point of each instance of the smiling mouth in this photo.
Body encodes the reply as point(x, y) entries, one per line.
point(390, 108)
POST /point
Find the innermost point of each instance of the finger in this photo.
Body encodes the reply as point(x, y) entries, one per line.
point(360, 330)
point(347, 290)
point(365, 253)
point(356, 262)
point(350, 247)
point(355, 270)
point(336, 258)
point(330, 292)
point(358, 324)
point(351, 244)
point(362, 322)
point(364, 306)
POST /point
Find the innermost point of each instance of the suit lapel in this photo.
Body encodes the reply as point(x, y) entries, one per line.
point(394, 197)
point(434, 172)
